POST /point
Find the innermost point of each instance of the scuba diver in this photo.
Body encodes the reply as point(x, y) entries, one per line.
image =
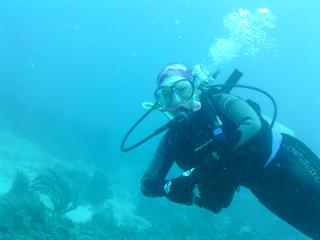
point(222, 142)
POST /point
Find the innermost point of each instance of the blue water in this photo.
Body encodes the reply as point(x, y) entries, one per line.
point(73, 73)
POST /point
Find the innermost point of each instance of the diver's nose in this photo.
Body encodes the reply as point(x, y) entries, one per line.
point(176, 99)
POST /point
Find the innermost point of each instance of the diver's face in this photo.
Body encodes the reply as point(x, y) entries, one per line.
point(175, 92)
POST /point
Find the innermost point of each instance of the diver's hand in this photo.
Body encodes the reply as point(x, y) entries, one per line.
point(181, 189)
point(206, 203)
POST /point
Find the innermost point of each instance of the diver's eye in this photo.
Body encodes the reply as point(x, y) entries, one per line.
point(164, 95)
point(184, 88)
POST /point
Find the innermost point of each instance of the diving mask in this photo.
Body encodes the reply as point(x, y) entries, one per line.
point(168, 96)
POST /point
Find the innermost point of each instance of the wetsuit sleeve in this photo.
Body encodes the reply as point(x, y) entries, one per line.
point(238, 111)
point(154, 178)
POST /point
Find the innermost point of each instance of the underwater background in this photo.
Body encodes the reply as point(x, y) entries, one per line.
point(73, 75)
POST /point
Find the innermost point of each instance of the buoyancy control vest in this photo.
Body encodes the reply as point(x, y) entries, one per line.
point(197, 140)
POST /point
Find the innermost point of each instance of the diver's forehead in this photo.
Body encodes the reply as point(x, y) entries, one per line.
point(168, 81)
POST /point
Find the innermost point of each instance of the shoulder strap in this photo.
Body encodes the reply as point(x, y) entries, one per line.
point(211, 111)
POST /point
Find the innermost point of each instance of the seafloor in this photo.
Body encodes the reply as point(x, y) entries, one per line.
point(45, 198)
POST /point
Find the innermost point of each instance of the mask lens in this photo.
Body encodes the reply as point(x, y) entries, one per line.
point(164, 95)
point(184, 88)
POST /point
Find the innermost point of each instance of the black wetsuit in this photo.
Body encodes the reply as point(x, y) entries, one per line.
point(288, 185)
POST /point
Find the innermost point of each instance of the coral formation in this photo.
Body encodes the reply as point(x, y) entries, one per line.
point(63, 198)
